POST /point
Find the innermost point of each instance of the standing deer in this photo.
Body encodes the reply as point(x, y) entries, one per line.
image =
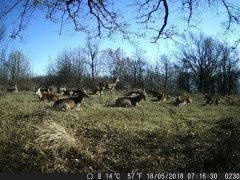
point(111, 84)
point(13, 89)
point(46, 96)
point(130, 101)
point(70, 103)
point(181, 100)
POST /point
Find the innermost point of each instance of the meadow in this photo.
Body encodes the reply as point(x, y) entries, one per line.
point(153, 137)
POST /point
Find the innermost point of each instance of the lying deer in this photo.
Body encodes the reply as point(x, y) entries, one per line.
point(46, 96)
point(13, 89)
point(71, 93)
point(181, 100)
point(212, 101)
point(70, 103)
point(153, 93)
point(43, 90)
point(162, 97)
point(134, 93)
point(130, 101)
point(159, 95)
point(61, 90)
point(99, 89)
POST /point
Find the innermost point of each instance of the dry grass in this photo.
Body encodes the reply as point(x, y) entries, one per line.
point(154, 137)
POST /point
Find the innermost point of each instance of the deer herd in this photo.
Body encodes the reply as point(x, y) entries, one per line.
point(75, 97)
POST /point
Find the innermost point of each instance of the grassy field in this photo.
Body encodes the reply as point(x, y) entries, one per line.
point(154, 137)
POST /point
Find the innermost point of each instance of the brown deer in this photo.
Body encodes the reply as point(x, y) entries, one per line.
point(153, 93)
point(13, 89)
point(70, 103)
point(159, 95)
point(134, 93)
point(130, 101)
point(210, 100)
point(181, 100)
point(61, 90)
point(46, 96)
point(162, 97)
point(43, 90)
point(111, 84)
point(99, 89)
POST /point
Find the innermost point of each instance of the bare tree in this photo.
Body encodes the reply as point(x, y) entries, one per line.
point(18, 66)
point(228, 71)
point(200, 55)
point(153, 17)
point(2, 32)
point(69, 68)
point(3, 54)
point(139, 67)
point(92, 49)
point(165, 68)
point(64, 68)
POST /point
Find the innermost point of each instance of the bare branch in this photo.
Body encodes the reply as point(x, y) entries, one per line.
point(231, 17)
point(10, 9)
point(16, 33)
point(165, 21)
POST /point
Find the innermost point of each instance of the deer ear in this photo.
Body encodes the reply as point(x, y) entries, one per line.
point(144, 90)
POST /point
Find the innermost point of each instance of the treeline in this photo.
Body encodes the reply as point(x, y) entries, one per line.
point(199, 64)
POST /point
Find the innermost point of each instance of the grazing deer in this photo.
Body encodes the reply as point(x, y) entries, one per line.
point(130, 101)
point(181, 100)
point(111, 84)
point(70, 103)
point(46, 96)
point(13, 89)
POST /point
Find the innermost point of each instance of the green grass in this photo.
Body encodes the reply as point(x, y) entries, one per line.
point(154, 137)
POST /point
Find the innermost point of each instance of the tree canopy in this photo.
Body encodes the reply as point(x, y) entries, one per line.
point(107, 17)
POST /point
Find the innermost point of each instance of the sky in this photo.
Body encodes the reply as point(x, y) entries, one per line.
point(42, 41)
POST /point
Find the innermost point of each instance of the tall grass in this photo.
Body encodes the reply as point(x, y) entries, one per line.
point(158, 137)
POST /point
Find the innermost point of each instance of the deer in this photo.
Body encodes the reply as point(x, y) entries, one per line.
point(134, 93)
point(13, 89)
point(43, 90)
point(111, 84)
point(210, 100)
point(153, 93)
point(46, 96)
point(61, 90)
point(99, 89)
point(182, 100)
point(128, 101)
point(162, 97)
point(70, 103)
point(159, 95)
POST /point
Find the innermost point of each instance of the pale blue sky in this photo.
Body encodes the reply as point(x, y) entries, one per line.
point(42, 41)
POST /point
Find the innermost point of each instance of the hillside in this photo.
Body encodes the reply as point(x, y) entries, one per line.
point(154, 137)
